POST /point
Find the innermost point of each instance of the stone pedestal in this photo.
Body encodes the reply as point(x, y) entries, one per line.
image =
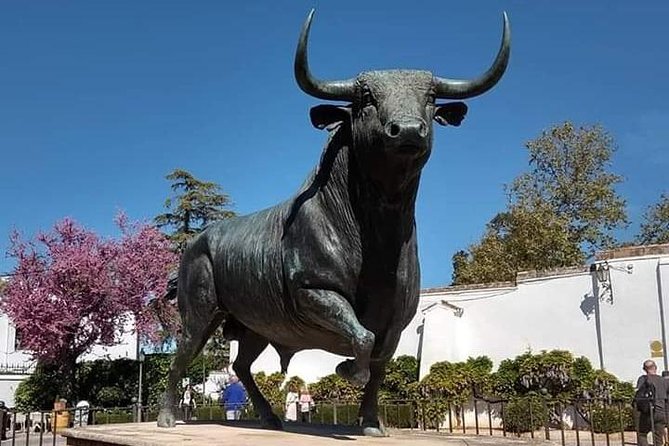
point(250, 434)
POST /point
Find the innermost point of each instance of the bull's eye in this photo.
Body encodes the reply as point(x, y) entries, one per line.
point(366, 98)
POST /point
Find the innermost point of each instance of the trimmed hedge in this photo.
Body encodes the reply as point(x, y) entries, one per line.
point(524, 414)
point(609, 419)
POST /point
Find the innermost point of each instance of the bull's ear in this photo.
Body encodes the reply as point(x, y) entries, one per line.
point(452, 113)
point(325, 116)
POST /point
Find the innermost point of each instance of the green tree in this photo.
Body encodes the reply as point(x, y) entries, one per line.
point(334, 387)
point(655, 224)
point(558, 213)
point(456, 381)
point(401, 378)
point(517, 240)
point(195, 204)
point(270, 387)
point(40, 390)
point(294, 383)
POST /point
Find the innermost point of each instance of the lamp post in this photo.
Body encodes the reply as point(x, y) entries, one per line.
point(140, 357)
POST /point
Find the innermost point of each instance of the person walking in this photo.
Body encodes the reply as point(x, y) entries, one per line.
point(305, 404)
point(292, 400)
point(187, 403)
point(650, 402)
point(234, 398)
point(3, 420)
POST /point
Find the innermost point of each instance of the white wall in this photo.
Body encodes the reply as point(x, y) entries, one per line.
point(126, 347)
point(538, 314)
point(11, 358)
point(8, 385)
point(633, 320)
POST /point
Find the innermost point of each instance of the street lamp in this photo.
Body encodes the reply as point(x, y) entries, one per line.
point(140, 357)
point(603, 272)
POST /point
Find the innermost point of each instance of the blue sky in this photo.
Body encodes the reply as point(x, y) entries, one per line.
point(99, 100)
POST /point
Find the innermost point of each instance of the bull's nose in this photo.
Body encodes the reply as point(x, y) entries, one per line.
point(406, 128)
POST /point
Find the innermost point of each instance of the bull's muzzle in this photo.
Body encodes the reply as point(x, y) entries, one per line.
point(406, 131)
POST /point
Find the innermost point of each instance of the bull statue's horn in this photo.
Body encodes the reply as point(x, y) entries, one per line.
point(462, 89)
point(332, 90)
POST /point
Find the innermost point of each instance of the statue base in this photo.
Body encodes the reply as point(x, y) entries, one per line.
point(245, 433)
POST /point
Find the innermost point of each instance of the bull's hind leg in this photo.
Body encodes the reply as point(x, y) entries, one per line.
point(334, 313)
point(200, 316)
point(251, 345)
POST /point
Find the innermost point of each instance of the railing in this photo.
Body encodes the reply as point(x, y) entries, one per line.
point(579, 423)
point(17, 369)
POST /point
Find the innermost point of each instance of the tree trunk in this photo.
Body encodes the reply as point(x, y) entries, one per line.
point(68, 385)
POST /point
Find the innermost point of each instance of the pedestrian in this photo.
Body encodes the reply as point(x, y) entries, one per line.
point(292, 400)
point(305, 404)
point(234, 398)
point(187, 403)
point(3, 421)
point(650, 402)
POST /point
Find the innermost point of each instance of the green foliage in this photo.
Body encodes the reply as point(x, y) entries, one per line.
point(294, 384)
point(156, 368)
point(519, 239)
point(558, 212)
point(557, 376)
point(112, 397)
point(398, 415)
point(333, 387)
point(455, 382)
point(114, 416)
point(218, 350)
point(610, 418)
point(570, 173)
point(347, 414)
point(435, 410)
point(401, 379)
point(524, 414)
point(554, 374)
point(655, 224)
point(39, 390)
point(105, 383)
point(270, 386)
point(195, 204)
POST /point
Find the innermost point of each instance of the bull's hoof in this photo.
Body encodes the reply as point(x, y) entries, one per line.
point(350, 371)
point(272, 422)
point(374, 429)
point(166, 418)
point(374, 432)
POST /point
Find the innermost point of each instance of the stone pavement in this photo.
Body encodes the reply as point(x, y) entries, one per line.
point(249, 434)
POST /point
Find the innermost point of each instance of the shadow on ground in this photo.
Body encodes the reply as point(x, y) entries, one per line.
point(338, 432)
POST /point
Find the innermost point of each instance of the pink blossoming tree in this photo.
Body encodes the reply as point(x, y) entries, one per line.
point(72, 289)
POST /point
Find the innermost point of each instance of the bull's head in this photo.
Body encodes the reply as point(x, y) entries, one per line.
point(391, 112)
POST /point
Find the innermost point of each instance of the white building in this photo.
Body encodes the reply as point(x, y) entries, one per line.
point(614, 312)
point(16, 364)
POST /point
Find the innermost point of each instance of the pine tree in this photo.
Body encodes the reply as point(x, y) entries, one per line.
point(195, 204)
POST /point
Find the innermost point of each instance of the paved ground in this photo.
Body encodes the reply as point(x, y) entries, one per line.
point(247, 434)
point(33, 440)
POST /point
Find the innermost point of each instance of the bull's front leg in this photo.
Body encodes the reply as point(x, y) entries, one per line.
point(369, 407)
point(334, 313)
